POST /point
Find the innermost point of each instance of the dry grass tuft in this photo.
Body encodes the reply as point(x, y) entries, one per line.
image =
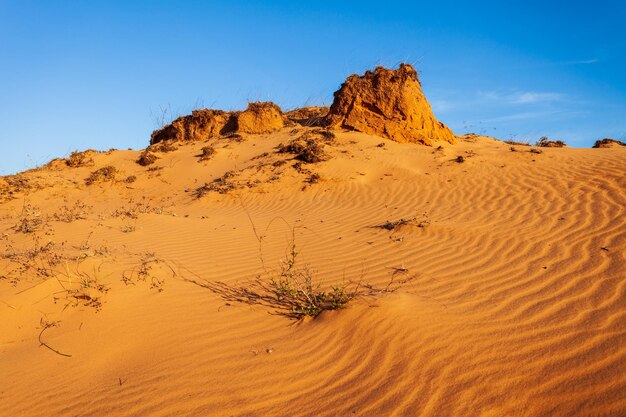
point(104, 174)
point(163, 147)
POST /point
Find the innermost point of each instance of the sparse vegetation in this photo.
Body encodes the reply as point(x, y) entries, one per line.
point(544, 142)
point(11, 185)
point(607, 143)
point(517, 143)
point(396, 224)
point(221, 185)
point(147, 158)
point(30, 221)
point(69, 214)
point(163, 146)
point(293, 292)
point(145, 272)
point(40, 259)
point(80, 159)
point(82, 287)
point(308, 150)
point(104, 174)
point(207, 153)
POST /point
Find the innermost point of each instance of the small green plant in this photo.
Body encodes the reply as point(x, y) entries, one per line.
point(293, 292)
point(296, 292)
point(82, 287)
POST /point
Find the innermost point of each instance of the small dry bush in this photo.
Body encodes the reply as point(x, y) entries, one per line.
point(104, 174)
point(544, 142)
point(12, 185)
point(607, 143)
point(80, 159)
point(221, 185)
point(309, 150)
point(133, 208)
point(207, 153)
point(164, 147)
point(82, 287)
point(150, 270)
point(69, 214)
point(30, 220)
point(40, 260)
point(147, 158)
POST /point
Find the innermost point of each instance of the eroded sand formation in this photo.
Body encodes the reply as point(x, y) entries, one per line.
point(383, 102)
point(387, 103)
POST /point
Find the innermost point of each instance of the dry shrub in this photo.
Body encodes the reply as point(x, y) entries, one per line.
point(40, 260)
point(309, 150)
point(80, 159)
point(292, 291)
point(164, 147)
point(13, 184)
point(207, 153)
point(147, 158)
point(107, 173)
point(608, 143)
point(69, 214)
point(544, 142)
point(221, 185)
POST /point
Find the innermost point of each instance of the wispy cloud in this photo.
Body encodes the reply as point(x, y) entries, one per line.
point(580, 62)
point(520, 116)
point(529, 97)
point(521, 97)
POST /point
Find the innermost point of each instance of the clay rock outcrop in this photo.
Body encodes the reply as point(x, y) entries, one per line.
point(387, 103)
point(260, 117)
point(200, 125)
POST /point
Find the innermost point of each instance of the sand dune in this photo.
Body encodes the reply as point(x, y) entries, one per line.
point(491, 277)
point(516, 304)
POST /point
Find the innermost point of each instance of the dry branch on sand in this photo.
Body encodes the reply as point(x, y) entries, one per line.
point(396, 224)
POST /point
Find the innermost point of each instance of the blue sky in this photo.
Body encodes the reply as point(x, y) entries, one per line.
point(97, 74)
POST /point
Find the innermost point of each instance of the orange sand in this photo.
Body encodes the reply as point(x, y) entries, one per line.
point(517, 306)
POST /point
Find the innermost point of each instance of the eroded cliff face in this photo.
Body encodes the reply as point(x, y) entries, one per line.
point(387, 103)
point(260, 117)
point(199, 125)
